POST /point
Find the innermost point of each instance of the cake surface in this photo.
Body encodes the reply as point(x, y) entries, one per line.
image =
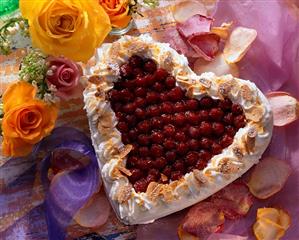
point(132, 204)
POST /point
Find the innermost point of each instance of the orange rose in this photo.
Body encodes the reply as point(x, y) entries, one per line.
point(118, 12)
point(26, 120)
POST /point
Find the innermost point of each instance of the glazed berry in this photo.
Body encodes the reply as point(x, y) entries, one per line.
point(170, 82)
point(226, 140)
point(193, 117)
point(144, 151)
point(237, 109)
point(170, 156)
point(225, 104)
point(230, 130)
point(141, 81)
point(191, 158)
point(120, 116)
point(216, 148)
point(135, 61)
point(169, 130)
point(133, 134)
point(140, 92)
point(149, 80)
point(153, 110)
point(125, 138)
point(179, 165)
point(136, 174)
point(145, 163)
point(200, 165)
point(205, 128)
point(137, 72)
point(125, 95)
point(206, 102)
point(151, 178)
point(228, 118)
point(164, 96)
point(139, 102)
point(140, 185)
point(152, 97)
point(191, 104)
point(129, 108)
point(122, 127)
point(160, 74)
point(176, 175)
point(204, 115)
point(140, 113)
point(239, 121)
point(205, 143)
point(176, 94)
point(182, 148)
point(179, 119)
point(154, 172)
point(216, 114)
point(166, 119)
point(194, 144)
point(217, 128)
point(132, 161)
point(158, 87)
point(157, 150)
point(156, 122)
point(194, 132)
point(143, 126)
point(179, 107)
point(167, 171)
point(169, 144)
point(157, 137)
point(180, 136)
point(143, 140)
point(204, 155)
point(126, 71)
point(113, 95)
point(160, 162)
point(150, 66)
point(167, 107)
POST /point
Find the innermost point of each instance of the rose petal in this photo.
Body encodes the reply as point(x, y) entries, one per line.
point(234, 200)
point(203, 219)
point(268, 177)
point(238, 44)
point(285, 108)
point(219, 66)
point(271, 223)
point(95, 212)
point(184, 235)
point(223, 30)
point(223, 236)
point(186, 9)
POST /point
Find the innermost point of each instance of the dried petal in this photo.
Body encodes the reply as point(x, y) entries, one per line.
point(224, 236)
point(238, 44)
point(186, 9)
point(234, 200)
point(268, 177)
point(271, 223)
point(184, 235)
point(219, 66)
point(285, 108)
point(223, 30)
point(95, 212)
point(203, 219)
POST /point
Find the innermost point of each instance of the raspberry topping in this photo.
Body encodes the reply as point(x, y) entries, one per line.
point(171, 134)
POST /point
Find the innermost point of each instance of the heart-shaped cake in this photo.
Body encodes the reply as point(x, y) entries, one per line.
point(166, 138)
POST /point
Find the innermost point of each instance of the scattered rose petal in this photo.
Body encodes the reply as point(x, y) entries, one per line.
point(234, 200)
point(184, 235)
point(95, 212)
point(223, 236)
point(219, 66)
point(238, 44)
point(186, 9)
point(268, 177)
point(196, 31)
point(271, 223)
point(285, 108)
point(223, 30)
point(203, 219)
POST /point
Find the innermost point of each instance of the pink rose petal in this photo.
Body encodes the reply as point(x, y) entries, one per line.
point(223, 236)
point(186, 9)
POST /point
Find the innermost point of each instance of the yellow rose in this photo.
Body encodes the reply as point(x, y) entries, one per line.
point(118, 11)
point(73, 28)
point(26, 120)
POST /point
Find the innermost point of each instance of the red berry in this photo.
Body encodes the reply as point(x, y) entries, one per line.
point(140, 185)
point(151, 178)
point(205, 128)
point(206, 102)
point(160, 74)
point(145, 163)
point(135, 61)
point(153, 110)
point(226, 140)
point(169, 130)
point(144, 151)
point(135, 174)
point(158, 87)
point(194, 132)
point(200, 164)
point(167, 107)
point(126, 70)
point(113, 95)
point(170, 156)
point(237, 109)
point(225, 104)
point(228, 118)
point(133, 134)
point(230, 130)
point(131, 120)
point(140, 102)
point(160, 162)
point(170, 82)
point(180, 136)
point(205, 143)
point(216, 114)
point(143, 126)
point(166, 119)
point(167, 171)
point(122, 127)
point(217, 128)
point(179, 107)
point(157, 150)
point(239, 121)
point(179, 119)
point(179, 165)
point(137, 72)
point(152, 97)
point(164, 97)
point(176, 94)
point(182, 148)
point(149, 80)
point(126, 95)
point(156, 122)
point(129, 108)
point(204, 115)
point(154, 172)
point(150, 66)
point(193, 117)
point(125, 138)
point(216, 148)
point(169, 144)
point(191, 158)
point(141, 81)
point(132, 161)
point(194, 144)
point(143, 140)
point(192, 104)
point(140, 92)
point(157, 137)
point(176, 175)
point(204, 155)
point(140, 113)
point(120, 116)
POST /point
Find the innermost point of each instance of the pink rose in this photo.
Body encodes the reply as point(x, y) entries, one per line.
point(63, 75)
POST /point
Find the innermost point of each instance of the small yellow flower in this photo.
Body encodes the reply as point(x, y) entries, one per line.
point(73, 28)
